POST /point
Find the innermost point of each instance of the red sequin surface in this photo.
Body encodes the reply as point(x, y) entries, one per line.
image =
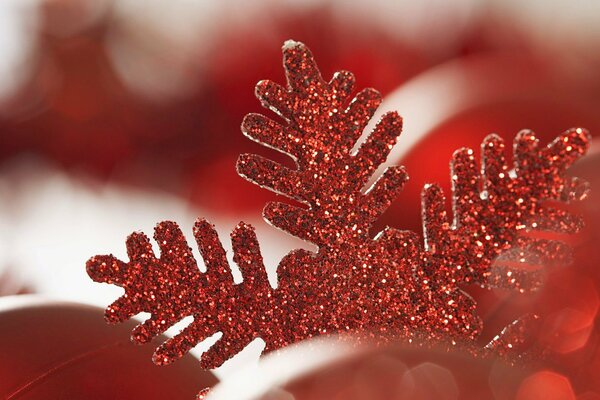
point(387, 286)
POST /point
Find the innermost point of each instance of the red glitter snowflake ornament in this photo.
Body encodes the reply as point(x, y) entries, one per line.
point(387, 286)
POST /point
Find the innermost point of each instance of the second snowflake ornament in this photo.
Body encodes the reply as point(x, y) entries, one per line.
point(391, 285)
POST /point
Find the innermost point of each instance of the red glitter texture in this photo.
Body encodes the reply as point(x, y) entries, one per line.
point(387, 286)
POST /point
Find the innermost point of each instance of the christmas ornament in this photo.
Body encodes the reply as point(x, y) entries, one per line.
point(387, 286)
point(56, 350)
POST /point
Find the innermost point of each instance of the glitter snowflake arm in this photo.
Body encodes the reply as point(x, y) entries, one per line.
point(171, 287)
point(499, 209)
point(321, 127)
point(320, 130)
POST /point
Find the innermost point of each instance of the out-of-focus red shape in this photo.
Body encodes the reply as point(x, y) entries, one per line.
point(400, 372)
point(51, 350)
point(403, 373)
point(546, 385)
point(589, 396)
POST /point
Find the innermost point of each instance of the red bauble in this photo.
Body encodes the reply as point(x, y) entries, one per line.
point(53, 350)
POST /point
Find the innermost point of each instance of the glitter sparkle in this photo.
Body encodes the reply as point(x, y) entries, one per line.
point(389, 286)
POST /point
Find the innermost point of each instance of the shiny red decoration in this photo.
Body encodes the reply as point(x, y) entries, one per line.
point(387, 286)
point(53, 350)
